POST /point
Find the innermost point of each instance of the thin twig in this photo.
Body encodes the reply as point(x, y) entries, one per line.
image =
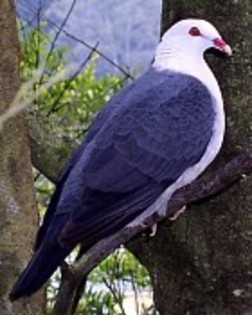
point(28, 23)
point(117, 298)
point(55, 39)
point(37, 52)
point(101, 54)
point(70, 80)
point(134, 288)
point(82, 42)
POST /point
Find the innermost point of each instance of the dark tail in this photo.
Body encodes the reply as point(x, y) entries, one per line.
point(45, 261)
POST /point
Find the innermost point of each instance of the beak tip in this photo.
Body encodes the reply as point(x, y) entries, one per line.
point(220, 44)
point(227, 49)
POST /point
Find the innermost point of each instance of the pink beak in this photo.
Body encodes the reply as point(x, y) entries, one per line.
point(220, 44)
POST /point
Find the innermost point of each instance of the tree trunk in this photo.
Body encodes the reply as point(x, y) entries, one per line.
point(18, 213)
point(201, 264)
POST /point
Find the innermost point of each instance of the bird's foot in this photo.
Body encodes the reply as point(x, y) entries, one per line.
point(177, 214)
point(153, 230)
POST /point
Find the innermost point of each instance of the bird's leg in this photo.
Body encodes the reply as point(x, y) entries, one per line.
point(153, 230)
point(177, 214)
point(172, 218)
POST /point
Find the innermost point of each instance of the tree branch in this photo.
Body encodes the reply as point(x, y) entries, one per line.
point(49, 151)
point(202, 188)
point(69, 293)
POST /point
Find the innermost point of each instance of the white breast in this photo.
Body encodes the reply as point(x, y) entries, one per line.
point(202, 72)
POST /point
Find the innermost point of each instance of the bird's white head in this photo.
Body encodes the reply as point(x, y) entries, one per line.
point(191, 37)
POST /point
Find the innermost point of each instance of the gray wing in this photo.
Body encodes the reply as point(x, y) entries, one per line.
point(158, 128)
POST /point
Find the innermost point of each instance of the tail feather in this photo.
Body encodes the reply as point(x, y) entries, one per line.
point(41, 267)
point(45, 261)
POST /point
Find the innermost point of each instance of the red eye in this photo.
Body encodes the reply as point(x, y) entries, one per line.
point(194, 31)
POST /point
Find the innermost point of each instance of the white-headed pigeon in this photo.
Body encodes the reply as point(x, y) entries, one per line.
point(155, 136)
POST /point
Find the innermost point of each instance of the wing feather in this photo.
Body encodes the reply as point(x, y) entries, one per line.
point(140, 143)
point(144, 146)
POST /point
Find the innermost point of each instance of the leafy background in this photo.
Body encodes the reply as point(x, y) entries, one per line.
point(127, 31)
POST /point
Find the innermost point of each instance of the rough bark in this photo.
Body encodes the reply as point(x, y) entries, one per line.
point(18, 215)
point(202, 263)
point(49, 151)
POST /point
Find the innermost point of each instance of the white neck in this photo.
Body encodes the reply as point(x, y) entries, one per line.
point(188, 63)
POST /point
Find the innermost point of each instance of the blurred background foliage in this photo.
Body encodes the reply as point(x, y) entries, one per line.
point(120, 285)
point(73, 102)
point(127, 31)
